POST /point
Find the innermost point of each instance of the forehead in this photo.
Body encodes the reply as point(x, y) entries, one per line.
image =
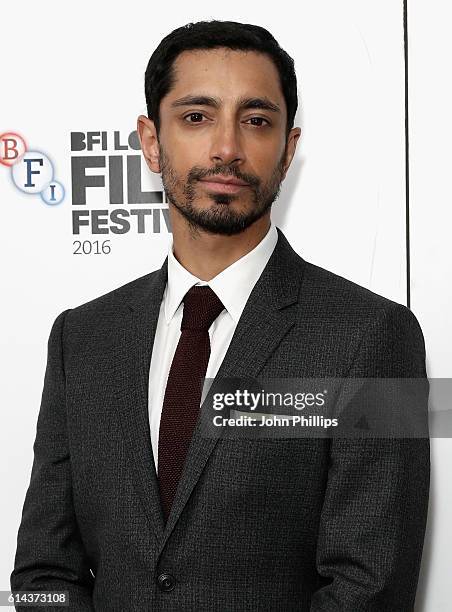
point(226, 73)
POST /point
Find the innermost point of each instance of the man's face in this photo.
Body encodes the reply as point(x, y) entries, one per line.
point(223, 120)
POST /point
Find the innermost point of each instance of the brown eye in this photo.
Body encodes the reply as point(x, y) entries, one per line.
point(198, 117)
point(258, 119)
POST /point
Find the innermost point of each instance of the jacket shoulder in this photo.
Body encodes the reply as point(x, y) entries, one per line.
point(334, 293)
point(102, 314)
point(118, 296)
point(365, 320)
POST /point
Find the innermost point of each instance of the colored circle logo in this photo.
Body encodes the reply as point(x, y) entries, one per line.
point(12, 148)
point(33, 172)
point(53, 194)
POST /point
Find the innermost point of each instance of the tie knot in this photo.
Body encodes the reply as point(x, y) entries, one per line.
point(201, 307)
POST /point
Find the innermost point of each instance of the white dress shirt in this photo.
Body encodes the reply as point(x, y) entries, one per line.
point(233, 286)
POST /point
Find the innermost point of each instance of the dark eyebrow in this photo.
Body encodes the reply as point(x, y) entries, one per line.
point(196, 101)
point(262, 103)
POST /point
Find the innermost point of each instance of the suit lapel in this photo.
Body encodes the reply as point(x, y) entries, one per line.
point(131, 368)
point(267, 317)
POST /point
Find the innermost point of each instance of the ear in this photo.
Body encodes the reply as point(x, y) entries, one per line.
point(147, 134)
point(291, 145)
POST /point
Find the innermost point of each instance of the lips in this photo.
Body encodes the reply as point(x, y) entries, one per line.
point(223, 184)
point(225, 180)
point(217, 185)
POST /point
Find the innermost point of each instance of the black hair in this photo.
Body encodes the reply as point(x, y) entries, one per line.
point(159, 75)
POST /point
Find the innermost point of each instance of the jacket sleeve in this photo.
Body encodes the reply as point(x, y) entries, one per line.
point(375, 509)
point(50, 555)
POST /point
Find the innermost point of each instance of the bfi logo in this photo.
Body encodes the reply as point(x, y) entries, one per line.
point(118, 173)
point(32, 172)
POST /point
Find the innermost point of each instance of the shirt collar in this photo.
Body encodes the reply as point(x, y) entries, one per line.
point(233, 285)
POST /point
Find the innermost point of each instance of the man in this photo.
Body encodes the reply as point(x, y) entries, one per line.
point(129, 506)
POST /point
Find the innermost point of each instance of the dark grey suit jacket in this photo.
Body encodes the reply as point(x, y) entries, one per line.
point(306, 524)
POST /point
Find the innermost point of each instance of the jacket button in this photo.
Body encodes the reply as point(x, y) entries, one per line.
point(166, 582)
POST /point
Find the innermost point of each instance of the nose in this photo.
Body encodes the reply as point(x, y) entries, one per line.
point(226, 146)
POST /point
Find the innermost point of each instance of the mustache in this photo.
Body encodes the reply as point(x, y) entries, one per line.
point(197, 173)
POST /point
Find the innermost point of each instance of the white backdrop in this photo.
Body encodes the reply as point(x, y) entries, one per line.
point(80, 69)
point(430, 132)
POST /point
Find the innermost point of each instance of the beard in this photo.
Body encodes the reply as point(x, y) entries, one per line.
point(220, 218)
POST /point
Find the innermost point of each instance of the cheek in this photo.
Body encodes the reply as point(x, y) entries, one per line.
point(185, 154)
point(263, 161)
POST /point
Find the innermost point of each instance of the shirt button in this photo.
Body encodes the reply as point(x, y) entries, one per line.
point(166, 582)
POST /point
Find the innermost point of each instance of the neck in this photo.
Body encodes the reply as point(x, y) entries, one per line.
point(204, 254)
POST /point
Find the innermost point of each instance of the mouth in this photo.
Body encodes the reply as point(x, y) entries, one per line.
point(223, 184)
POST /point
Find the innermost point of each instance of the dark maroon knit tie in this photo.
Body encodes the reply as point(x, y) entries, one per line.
point(184, 388)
